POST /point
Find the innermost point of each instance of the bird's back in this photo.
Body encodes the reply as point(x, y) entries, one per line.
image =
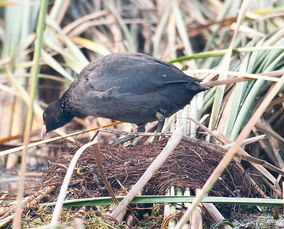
point(132, 87)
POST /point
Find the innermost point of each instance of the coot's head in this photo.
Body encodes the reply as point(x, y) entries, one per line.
point(54, 117)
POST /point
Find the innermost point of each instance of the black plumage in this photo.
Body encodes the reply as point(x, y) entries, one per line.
point(129, 87)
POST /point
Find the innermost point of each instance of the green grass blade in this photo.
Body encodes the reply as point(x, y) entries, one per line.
point(153, 199)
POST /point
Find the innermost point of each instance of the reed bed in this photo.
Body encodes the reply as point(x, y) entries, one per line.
point(235, 47)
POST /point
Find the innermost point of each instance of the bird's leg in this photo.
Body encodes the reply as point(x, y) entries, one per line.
point(161, 121)
point(141, 128)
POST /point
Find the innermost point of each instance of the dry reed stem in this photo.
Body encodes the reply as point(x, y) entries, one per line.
point(73, 25)
point(268, 130)
point(30, 113)
point(38, 143)
point(247, 141)
point(196, 219)
point(102, 173)
point(264, 76)
point(155, 165)
point(65, 184)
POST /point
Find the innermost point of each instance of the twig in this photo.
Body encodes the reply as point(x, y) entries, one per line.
point(38, 143)
point(134, 133)
point(225, 81)
point(102, 174)
point(246, 141)
point(240, 75)
point(155, 165)
point(268, 130)
point(210, 132)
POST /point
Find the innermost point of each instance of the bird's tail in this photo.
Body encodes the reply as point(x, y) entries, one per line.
point(197, 87)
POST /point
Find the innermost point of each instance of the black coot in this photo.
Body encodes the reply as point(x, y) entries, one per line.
point(129, 87)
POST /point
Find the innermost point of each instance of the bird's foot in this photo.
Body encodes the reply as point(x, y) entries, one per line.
point(161, 120)
point(122, 140)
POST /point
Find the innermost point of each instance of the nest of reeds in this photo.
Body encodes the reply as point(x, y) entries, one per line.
point(189, 166)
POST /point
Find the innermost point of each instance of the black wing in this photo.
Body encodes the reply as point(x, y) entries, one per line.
point(133, 73)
